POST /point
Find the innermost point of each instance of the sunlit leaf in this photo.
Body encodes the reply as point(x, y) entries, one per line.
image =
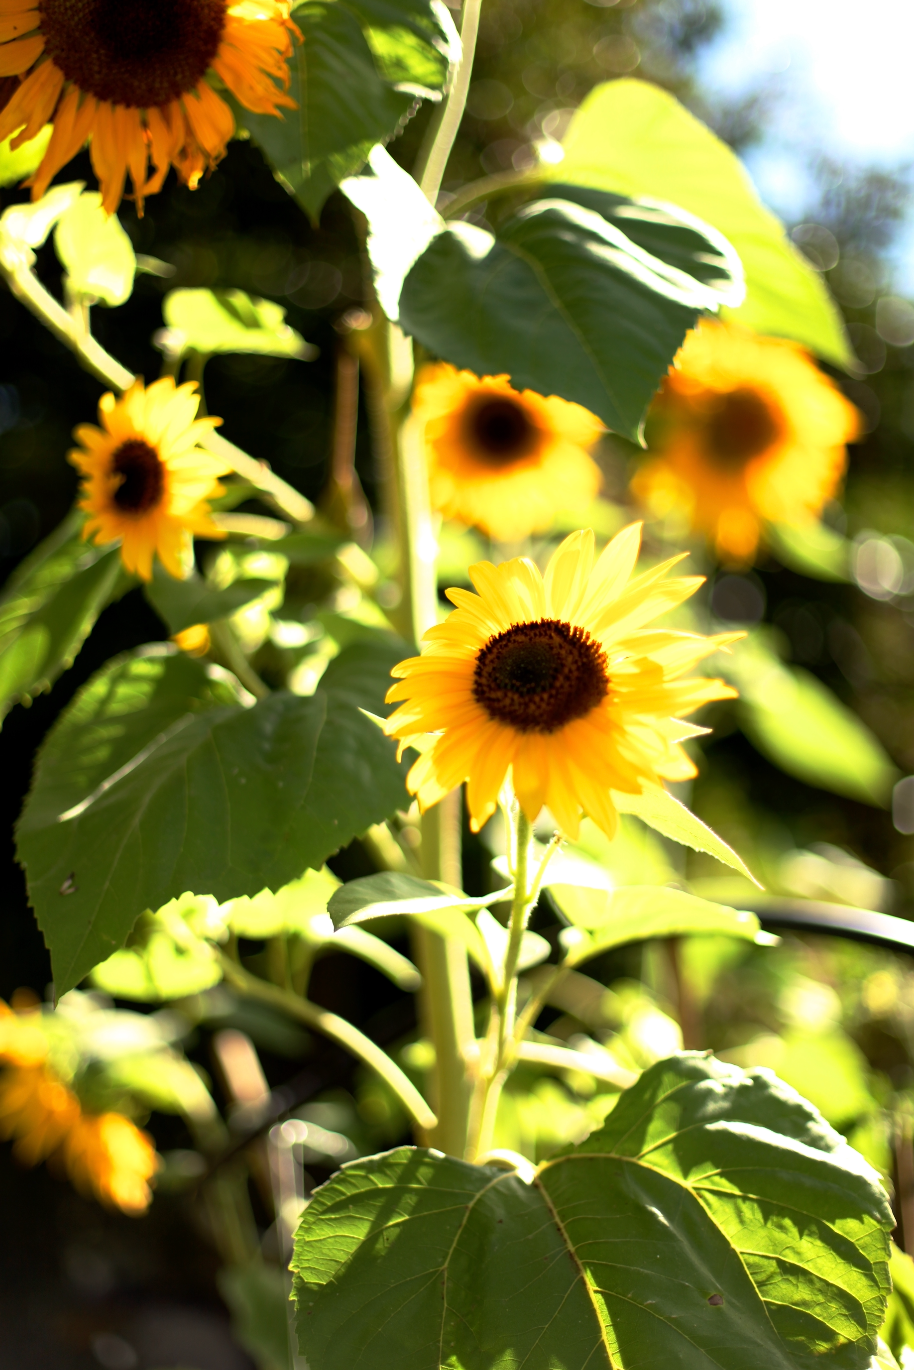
point(29, 224)
point(662, 812)
point(560, 298)
point(157, 780)
point(633, 138)
point(898, 1328)
point(230, 321)
point(49, 606)
point(17, 163)
point(602, 920)
point(802, 727)
point(715, 1219)
point(95, 251)
point(360, 70)
point(394, 892)
point(813, 549)
point(157, 967)
point(181, 603)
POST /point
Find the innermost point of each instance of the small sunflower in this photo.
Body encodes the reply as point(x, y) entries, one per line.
point(134, 77)
point(145, 480)
point(104, 1154)
point(500, 459)
point(557, 678)
point(745, 430)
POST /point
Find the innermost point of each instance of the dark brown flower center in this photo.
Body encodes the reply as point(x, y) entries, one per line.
point(142, 481)
point(499, 431)
point(740, 426)
point(536, 677)
point(133, 52)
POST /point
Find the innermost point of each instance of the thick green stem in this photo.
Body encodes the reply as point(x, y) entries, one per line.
point(433, 161)
point(338, 1030)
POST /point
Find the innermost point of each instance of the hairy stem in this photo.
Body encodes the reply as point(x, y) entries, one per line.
point(433, 162)
point(338, 1030)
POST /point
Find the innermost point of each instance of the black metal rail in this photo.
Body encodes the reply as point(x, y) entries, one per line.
point(861, 925)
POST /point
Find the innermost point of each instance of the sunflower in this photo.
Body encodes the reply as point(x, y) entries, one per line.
point(133, 76)
point(556, 678)
point(145, 480)
point(104, 1154)
point(746, 430)
point(501, 459)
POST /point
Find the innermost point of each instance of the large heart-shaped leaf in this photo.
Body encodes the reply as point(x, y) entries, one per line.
point(361, 68)
point(157, 780)
point(49, 606)
point(632, 137)
point(560, 298)
point(714, 1221)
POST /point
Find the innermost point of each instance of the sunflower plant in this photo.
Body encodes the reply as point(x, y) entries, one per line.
point(311, 695)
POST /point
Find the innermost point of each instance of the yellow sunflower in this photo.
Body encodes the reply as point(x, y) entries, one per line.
point(145, 480)
point(104, 1154)
point(133, 76)
point(556, 678)
point(501, 459)
point(745, 430)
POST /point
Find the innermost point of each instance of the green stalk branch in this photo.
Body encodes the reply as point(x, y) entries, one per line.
point(27, 288)
point(488, 186)
point(432, 165)
point(338, 1030)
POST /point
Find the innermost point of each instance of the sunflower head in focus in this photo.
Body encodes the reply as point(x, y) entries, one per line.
point(104, 1154)
point(145, 480)
point(556, 679)
point(746, 430)
point(500, 459)
point(133, 77)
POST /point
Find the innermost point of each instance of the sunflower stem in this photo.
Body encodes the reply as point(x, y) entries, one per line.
point(433, 158)
point(488, 186)
point(223, 640)
point(28, 290)
point(520, 909)
point(337, 1029)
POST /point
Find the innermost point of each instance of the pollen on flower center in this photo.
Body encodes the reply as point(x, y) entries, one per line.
point(536, 677)
point(742, 424)
point(142, 481)
point(500, 431)
point(138, 53)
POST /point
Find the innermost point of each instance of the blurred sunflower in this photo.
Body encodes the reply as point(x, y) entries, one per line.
point(145, 480)
point(556, 678)
point(745, 430)
point(500, 459)
point(134, 78)
point(104, 1154)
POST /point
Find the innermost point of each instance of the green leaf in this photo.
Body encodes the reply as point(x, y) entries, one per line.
point(230, 321)
point(666, 815)
point(304, 549)
point(602, 920)
point(796, 721)
point(292, 909)
point(561, 298)
point(182, 603)
point(95, 251)
point(898, 1328)
point(812, 548)
point(49, 607)
point(355, 78)
point(258, 1300)
point(391, 893)
point(157, 780)
point(28, 224)
point(633, 138)
point(158, 967)
point(17, 163)
point(715, 1220)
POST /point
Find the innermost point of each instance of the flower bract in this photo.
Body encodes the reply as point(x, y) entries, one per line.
point(104, 1154)
point(500, 459)
point(746, 430)
point(134, 78)
point(556, 679)
point(145, 480)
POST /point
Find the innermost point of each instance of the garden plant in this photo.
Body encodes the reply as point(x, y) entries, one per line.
point(496, 651)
